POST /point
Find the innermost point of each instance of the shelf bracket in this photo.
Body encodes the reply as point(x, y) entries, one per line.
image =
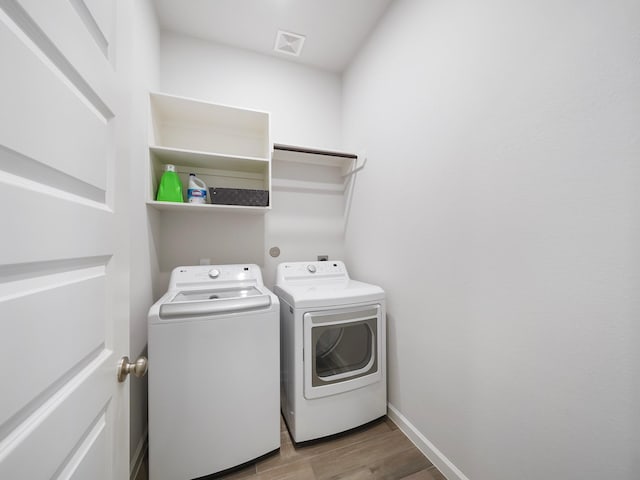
point(358, 164)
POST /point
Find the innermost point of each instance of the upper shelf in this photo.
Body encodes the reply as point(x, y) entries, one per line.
point(197, 159)
point(185, 124)
point(348, 162)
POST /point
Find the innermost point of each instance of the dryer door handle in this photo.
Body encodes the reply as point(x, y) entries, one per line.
point(213, 307)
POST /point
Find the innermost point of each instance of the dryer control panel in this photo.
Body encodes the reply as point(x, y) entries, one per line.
point(293, 271)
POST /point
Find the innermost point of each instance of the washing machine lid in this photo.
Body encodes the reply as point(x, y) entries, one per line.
point(329, 294)
point(215, 294)
point(214, 301)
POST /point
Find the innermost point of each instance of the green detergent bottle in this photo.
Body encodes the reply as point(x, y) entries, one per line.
point(170, 188)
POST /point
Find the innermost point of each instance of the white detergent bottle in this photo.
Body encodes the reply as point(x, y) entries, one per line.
point(197, 192)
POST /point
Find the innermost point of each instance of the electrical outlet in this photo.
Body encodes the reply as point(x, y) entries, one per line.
point(323, 258)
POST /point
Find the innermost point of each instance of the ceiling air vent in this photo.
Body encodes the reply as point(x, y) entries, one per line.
point(289, 43)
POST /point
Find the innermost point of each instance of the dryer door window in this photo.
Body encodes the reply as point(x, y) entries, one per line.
point(341, 349)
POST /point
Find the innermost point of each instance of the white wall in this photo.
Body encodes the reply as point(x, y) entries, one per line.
point(144, 226)
point(305, 106)
point(499, 210)
point(305, 103)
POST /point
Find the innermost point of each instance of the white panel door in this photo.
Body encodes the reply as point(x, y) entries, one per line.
point(64, 255)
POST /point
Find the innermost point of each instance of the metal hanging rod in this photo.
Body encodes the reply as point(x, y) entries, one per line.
point(313, 151)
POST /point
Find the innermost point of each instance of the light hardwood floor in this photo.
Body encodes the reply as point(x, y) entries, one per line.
point(376, 451)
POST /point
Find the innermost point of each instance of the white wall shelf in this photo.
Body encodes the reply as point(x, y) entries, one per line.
point(206, 160)
point(348, 162)
point(224, 146)
point(206, 208)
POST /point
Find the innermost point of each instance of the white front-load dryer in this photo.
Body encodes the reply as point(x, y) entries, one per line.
point(214, 372)
point(333, 349)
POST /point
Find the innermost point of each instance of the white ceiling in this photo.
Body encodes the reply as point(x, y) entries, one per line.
point(334, 29)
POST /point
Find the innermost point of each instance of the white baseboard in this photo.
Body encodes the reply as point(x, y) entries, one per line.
point(435, 456)
point(138, 454)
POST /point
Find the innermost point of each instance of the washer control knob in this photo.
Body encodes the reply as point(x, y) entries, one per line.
point(214, 273)
point(311, 268)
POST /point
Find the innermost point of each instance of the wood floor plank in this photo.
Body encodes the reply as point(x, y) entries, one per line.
point(421, 475)
point(388, 421)
point(289, 453)
point(394, 467)
point(362, 473)
point(350, 458)
point(436, 474)
point(247, 472)
point(399, 466)
point(299, 470)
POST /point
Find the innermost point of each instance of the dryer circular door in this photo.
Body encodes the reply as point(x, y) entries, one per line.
point(341, 350)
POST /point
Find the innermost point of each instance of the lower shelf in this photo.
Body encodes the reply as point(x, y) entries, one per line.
point(206, 208)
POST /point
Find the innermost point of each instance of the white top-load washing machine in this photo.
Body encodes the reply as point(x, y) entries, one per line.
point(213, 372)
point(333, 349)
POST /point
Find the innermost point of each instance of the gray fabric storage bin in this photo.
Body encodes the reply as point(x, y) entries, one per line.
point(239, 196)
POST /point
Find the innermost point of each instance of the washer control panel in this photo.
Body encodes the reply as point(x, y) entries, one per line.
point(215, 274)
point(292, 271)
